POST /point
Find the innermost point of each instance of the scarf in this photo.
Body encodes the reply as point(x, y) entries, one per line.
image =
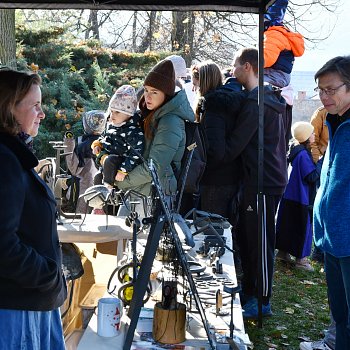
point(27, 139)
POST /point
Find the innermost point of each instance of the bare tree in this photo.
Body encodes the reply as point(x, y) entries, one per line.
point(182, 34)
point(147, 41)
point(93, 26)
point(7, 38)
point(197, 35)
point(134, 31)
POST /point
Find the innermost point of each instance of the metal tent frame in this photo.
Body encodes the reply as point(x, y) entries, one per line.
point(251, 6)
point(244, 6)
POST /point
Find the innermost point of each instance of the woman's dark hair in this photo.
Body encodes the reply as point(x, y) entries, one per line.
point(14, 86)
point(148, 115)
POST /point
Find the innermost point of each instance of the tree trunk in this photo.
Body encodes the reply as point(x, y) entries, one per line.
point(147, 39)
point(182, 34)
point(93, 26)
point(7, 38)
point(134, 31)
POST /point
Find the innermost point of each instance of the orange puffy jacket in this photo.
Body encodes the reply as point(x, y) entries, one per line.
point(277, 39)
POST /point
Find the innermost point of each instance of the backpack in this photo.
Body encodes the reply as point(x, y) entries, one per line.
point(194, 159)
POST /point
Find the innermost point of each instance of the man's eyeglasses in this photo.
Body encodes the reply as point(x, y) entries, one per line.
point(329, 92)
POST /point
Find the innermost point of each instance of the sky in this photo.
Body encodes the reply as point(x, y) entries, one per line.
point(338, 44)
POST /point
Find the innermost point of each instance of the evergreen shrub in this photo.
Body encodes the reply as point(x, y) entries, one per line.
point(77, 77)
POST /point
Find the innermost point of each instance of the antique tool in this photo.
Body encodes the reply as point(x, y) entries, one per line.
point(233, 290)
point(169, 295)
point(60, 181)
point(218, 299)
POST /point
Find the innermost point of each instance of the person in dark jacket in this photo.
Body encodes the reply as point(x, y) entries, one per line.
point(79, 158)
point(294, 224)
point(32, 285)
point(243, 141)
point(217, 111)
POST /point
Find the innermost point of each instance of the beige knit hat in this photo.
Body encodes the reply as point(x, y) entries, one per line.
point(301, 131)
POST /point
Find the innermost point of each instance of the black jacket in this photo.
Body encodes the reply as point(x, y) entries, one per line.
point(123, 141)
point(244, 142)
point(220, 110)
point(31, 275)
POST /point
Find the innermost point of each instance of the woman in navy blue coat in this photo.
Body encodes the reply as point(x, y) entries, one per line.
point(32, 285)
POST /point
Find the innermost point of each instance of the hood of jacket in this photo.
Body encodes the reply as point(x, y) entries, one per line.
point(223, 100)
point(294, 149)
point(272, 98)
point(178, 105)
point(296, 40)
point(232, 84)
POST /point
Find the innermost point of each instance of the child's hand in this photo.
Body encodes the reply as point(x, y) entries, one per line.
point(96, 150)
point(120, 176)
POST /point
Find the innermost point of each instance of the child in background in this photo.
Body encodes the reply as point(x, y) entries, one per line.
point(294, 218)
point(80, 160)
point(281, 46)
point(115, 149)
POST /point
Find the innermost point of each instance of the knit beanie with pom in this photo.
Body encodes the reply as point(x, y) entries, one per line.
point(301, 131)
point(162, 77)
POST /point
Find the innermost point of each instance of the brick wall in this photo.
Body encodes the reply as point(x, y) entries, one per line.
point(304, 108)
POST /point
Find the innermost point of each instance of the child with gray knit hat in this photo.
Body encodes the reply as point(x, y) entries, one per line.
point(80, 160)
point(117, 150)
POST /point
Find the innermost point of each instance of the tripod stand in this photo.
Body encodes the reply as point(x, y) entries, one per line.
point(161, 215)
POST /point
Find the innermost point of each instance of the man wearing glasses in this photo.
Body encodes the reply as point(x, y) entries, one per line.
point(332, 203)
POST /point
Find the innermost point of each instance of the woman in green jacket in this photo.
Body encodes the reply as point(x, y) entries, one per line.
point(164, 114)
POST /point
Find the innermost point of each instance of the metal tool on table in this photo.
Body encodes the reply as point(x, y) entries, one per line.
point(232, 290)
point(60, 181)
point(127, 273)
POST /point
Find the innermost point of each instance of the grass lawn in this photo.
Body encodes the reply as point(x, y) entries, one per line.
point(300, 309)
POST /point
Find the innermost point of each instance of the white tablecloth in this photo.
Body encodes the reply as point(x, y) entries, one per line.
point(94, 229)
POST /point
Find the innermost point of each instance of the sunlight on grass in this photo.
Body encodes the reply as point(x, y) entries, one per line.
point(300, 309)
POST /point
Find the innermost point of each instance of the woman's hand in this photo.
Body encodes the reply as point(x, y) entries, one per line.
point(96, 150)
point(120, 176)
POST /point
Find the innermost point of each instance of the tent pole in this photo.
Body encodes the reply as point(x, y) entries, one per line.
point(260, 198)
